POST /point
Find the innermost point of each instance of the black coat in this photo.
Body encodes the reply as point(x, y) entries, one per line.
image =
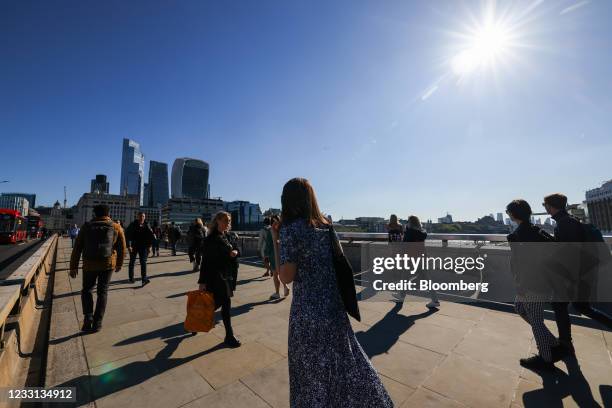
point(217, 266)
point(414, 235)
point(139, 237)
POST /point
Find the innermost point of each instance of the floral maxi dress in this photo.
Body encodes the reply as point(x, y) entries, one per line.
point(327, 366)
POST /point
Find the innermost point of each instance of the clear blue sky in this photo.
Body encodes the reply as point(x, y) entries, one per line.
point(361, 97)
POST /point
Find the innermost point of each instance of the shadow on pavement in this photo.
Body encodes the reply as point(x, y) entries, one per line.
point(382, 335)
point(557, 385)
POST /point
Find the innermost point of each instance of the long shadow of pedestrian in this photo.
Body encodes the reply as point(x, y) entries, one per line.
point(556, 385)
point(92, 387)
point(382, 335)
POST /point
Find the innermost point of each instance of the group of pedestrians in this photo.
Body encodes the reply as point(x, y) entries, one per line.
point(535, 288)
point(327, 365)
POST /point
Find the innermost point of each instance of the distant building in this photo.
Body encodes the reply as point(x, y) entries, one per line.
point(13, 202)
point(122, 207)
point(30, 197)
point(56, 218)
point(599, 205)
point(447, 219)
point(578, 211)
point(132, 170)
point(245, 215)
point(100, 185)
point(158, 183)
point(190, 179)
point(152, 214)
point(272, 211)
point(371, 224)
point(500, 217)
point(183, 211)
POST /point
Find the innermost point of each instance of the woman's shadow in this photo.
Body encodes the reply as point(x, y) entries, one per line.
point(381, 336)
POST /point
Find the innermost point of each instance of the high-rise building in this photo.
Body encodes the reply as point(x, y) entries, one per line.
point(132, 170)
point(190, 179)
point(100, 185)
point(183, 211)
point(30, 197)
point(17, 203)
point(245, 215)
point(122, 207)
point(599, 205)
point(500, 217)
point(158, 183)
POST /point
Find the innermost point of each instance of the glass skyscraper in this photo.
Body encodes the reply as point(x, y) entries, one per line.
point(190, 178)
point(132, 170)
point(158, 183)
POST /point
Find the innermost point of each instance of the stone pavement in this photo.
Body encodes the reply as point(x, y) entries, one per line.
point(456, 356)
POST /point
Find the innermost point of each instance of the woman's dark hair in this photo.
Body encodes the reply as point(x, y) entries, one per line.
point(300, 202)
point(520, 210)
point(266, 221)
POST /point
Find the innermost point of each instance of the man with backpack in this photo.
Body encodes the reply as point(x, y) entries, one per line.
point(570, 230)
point(102, 244)
point(139, 241)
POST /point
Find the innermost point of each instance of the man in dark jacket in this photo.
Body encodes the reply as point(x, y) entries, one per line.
point(568, 229)
point(139, 240)
point(532, 288)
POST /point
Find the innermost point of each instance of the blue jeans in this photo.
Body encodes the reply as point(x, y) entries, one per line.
point(142, 254)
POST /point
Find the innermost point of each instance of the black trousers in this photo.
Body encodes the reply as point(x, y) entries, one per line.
point(563, 321)
point(142, 253)
point(89, 281)
point(227, 320)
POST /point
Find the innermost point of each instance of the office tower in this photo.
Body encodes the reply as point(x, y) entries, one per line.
point(158, 183)
point(30, 197)
point(100, 185)
point(132, 170)
point(500, 217)
point(190, 178)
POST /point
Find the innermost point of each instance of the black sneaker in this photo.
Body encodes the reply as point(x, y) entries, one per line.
point(536, 363)
point(231, 341)
point(87, 324)
point(145, 281)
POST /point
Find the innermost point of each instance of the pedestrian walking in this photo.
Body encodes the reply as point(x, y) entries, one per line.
point(139, 240)
point(269, 251)
point(102, 245)
point(533, 291)
point(570, 230)
point(157, 236)
point(195, 237)
point(261, 246)
point(73, 232)
point(216, 271)
point(415, 236)
point(174, 235)
point(327, 366)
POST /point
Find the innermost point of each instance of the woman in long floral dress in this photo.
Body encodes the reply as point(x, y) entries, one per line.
point(327, 366)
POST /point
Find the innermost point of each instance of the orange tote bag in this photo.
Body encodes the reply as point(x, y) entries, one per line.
point(200, 311)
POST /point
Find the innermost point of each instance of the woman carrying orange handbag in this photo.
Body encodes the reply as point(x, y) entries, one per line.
point(218, 258)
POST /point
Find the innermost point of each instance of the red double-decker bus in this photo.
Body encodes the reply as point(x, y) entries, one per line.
point(13, 226)
point(35, 225)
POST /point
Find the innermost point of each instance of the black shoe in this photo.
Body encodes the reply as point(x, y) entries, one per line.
point(96, 326)
point(87, 324)
point(145, 281)
point(536, 363)
point(131, 280)
point(231, 341)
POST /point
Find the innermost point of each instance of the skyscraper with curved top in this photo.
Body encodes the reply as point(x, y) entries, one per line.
point(190, 178)
point(132, 170)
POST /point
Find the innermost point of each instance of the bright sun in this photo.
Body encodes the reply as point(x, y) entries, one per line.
point(484, 46)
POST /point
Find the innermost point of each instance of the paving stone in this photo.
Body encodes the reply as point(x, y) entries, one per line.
point(424, 398)
point(271, 384)
point(231, 396)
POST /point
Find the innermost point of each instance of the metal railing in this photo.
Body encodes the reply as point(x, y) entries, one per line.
point(17, 286)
